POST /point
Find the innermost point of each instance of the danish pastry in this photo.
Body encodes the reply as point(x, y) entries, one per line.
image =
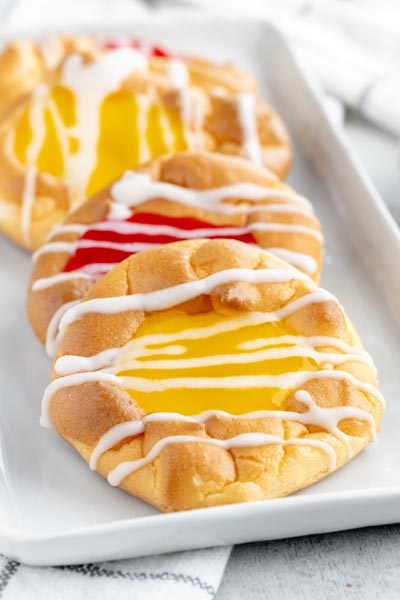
point(102, 112)
point(187, 195)
point(207, 372)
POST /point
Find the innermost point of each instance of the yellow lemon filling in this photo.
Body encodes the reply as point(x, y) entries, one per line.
point(192, 363)
point(131, 129)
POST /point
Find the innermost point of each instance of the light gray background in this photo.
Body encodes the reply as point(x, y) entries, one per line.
point(362, 564)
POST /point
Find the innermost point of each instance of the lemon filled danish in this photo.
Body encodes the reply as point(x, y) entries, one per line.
point(208, 372)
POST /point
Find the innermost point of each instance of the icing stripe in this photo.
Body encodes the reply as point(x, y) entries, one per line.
point(324, 417)
point(77, 228)
point(253, 319)
point(246, 110)
point(136, 188)
point(172, 234)
point(114, 436)
point(91, 83)
point(289, 380)
point(136, 346)
point(46, 282)
point(316, 341)
point(68, 364)
point(302, 261)
point(175, 295)
point(36, 119)
point(139, 347)
point(71, 247)
point(179, 233)
point(178, 73)
point(96, 270)
point(53, 334)
point(69, 381)
point(231, 359)
point(245, 440)
point(28, 199)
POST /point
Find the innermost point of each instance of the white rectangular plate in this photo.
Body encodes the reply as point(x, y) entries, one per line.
point(53, 510)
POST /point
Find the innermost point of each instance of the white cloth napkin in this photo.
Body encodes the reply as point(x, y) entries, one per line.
point(193, 575)
point(352, 46)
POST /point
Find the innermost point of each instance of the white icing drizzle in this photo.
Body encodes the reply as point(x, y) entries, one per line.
point(53, 247)
point(315, 341)
point(192, 116)
point(286, 381)
point(144, 103)
point(69, 381)
point(53, 334)
point(166, 298)
point(71, 247)
point(60, 128)
point(186, 107)
point(136, 188)
point(139, 348)
point(177, 73)
point(302, 261)
point(70, 364)
point(155, 230)
point(37, 123)
point(190, 108)
point(36, 119)
point(136, 347)
point(246, 108)
point(46, 282)
point(167, 129)
point(51, 49)
point(28, 199)
point(114, 436)
point(96, 270)
point(245, 440)
point(291, 380)
point(295, 351)
point(77, 228)
point(119, 211)
point(324, 417)
point(91, 83)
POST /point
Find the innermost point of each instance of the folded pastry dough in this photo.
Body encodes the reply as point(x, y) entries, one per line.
point(185, 196)
point(73, 128)
point(207, 372)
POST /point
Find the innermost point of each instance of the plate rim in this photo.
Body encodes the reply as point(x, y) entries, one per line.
point(26, 547)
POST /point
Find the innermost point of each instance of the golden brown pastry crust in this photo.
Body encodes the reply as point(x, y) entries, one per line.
point(192, 475)
point(196, 170)
point(214, 91)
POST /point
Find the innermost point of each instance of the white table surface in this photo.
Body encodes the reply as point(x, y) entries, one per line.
point(361, 564)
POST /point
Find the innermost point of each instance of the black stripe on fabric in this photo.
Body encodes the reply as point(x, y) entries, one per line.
point(93, 570)
point(7, 573)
